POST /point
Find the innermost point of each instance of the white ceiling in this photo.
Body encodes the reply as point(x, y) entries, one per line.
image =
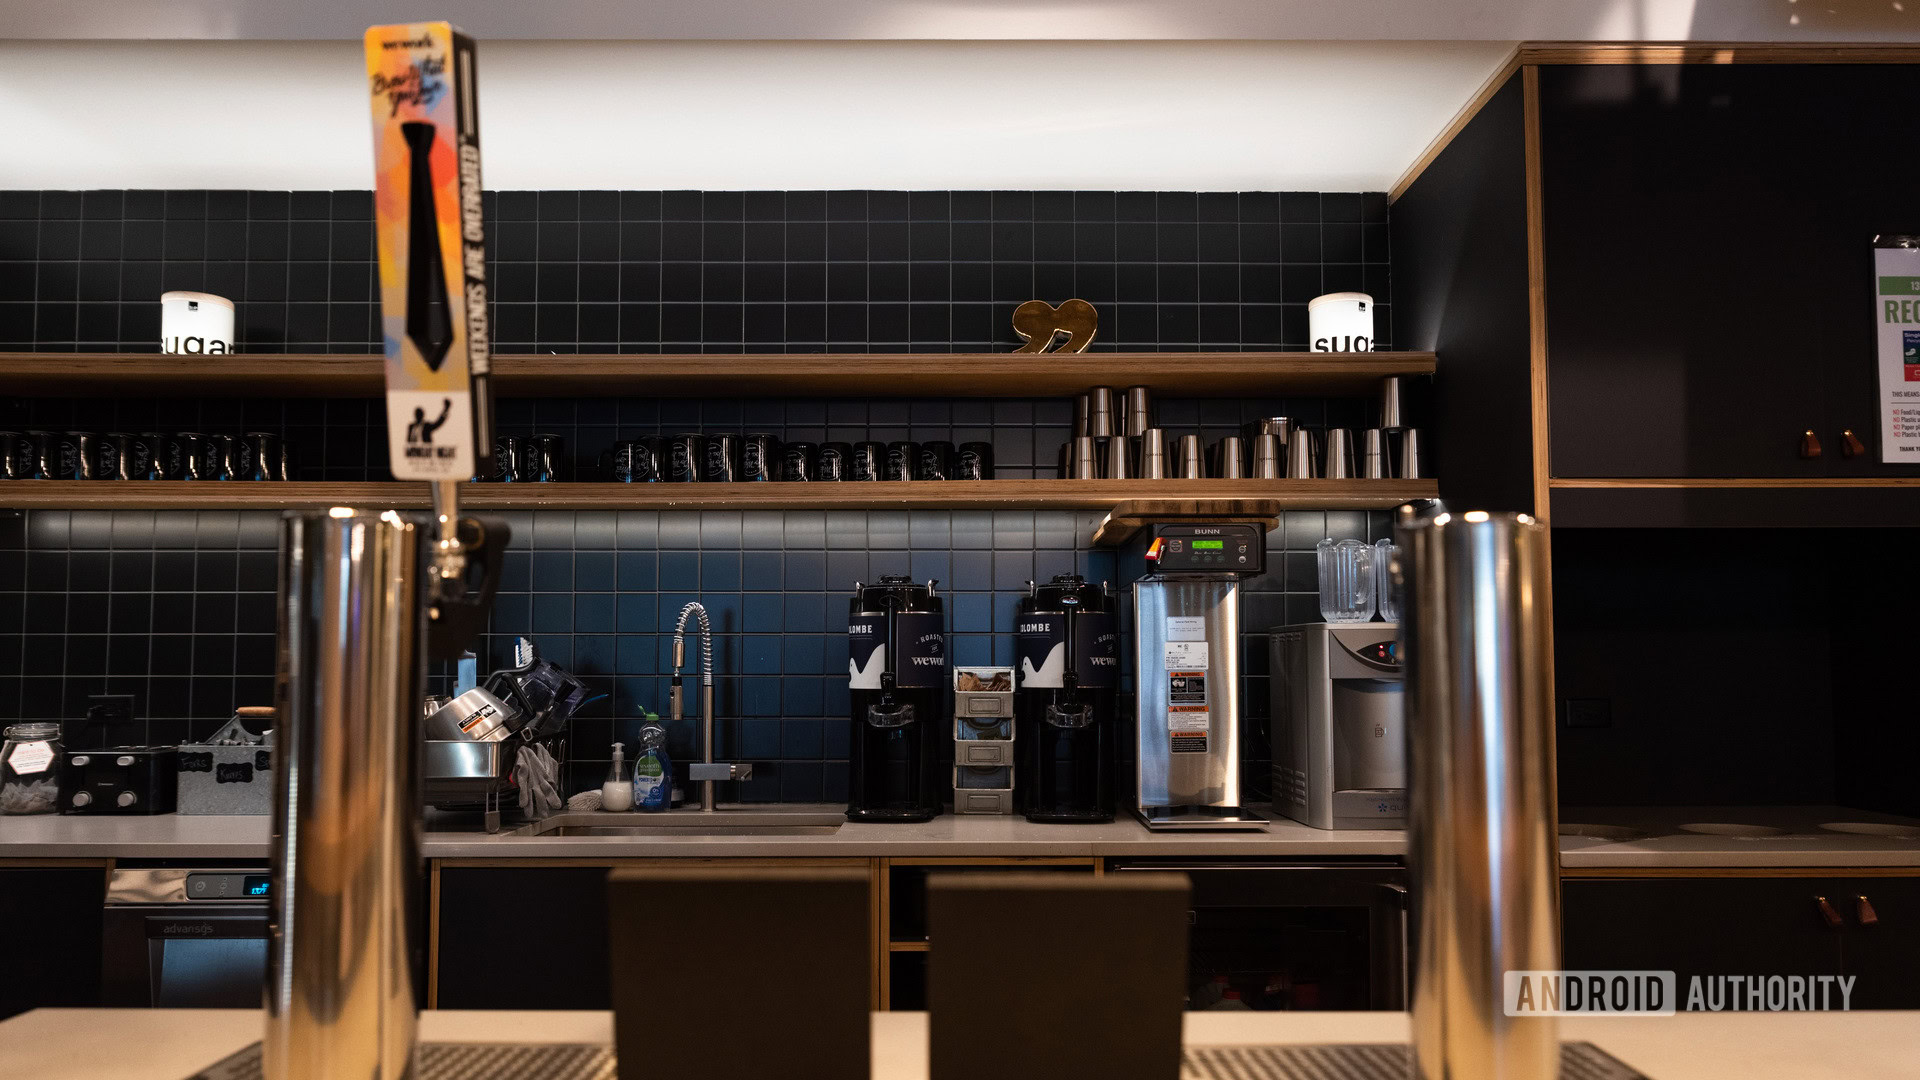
point(1340, 116)
point(735, 94)
point(1280, 20)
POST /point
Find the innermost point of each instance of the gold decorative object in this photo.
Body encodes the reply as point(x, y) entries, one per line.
point(1040, 324)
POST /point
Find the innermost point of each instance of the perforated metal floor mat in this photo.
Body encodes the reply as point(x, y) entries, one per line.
point(1361, 1061)
point(466, 1061)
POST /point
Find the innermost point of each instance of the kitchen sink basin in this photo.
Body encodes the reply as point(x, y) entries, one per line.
point(728, 821)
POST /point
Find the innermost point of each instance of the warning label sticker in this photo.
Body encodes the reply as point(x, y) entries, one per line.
point(1188, 742)
point(1188, 718)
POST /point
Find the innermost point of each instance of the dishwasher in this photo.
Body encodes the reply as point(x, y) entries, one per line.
point(1293, 935)
point(185, 937)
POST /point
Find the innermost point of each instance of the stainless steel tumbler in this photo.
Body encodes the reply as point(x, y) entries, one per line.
point(1300, 463)
point(1481, 829)
point(1390, 402)
point(1373, 454)
point(1139, 410)
point(1117, 462)
point(1268, 462)
point(1339, 458)
point(1153, 454)
point(1231, 458)
point(1409, 464)
point(1191, 462)
point(1100, 411)
point(1083, 459)
point(1281, 426)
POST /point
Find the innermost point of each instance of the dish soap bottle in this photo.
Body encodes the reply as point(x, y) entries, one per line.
point(617, 793)
point(653, 769)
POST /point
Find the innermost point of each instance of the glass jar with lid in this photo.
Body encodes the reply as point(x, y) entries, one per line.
point(30, 761)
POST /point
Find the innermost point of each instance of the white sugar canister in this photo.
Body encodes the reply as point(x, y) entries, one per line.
point(195, 322)
point(1341, 322)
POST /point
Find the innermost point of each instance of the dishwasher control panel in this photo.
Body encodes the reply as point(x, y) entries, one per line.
point(219, 885)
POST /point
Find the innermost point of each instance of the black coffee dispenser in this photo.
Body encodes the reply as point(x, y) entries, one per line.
point(897, 669)
point(1067, 640)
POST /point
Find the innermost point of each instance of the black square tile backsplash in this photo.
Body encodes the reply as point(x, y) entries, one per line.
point(177, 607)
point(716, 271)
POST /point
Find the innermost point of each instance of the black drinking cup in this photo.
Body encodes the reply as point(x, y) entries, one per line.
point(508, 452)
point(799, 461)
point(901, 460)
point(132, 456)
point(94, 456)
point(934, 462)
point(239, 456)
point(759, 457)
point(833, 461)
point(166, 456)
point(202, 456)
point(723, 458)
point(976, 461)
point(545, 460)
point(687, 457)
point(634, 461)
point(261, 458)
point(16, 456)
point(869, 461)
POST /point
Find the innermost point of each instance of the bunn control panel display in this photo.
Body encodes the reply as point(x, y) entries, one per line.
point(1203, 549)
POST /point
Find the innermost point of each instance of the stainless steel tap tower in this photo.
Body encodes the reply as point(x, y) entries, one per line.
point(346, 819)
point(1482, 831)
point(365, 594)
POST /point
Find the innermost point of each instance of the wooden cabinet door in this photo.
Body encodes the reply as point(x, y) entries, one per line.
point(1699, 926)
point(1708, 235)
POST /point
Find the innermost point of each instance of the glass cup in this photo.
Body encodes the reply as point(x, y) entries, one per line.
point(1346, 580)
point(1384, 552)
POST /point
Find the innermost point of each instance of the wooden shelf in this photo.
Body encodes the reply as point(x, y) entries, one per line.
point(1246, 497)
point(739, 375)
point(1668, 483)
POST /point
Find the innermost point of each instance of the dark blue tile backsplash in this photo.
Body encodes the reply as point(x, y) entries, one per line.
point(177, 607)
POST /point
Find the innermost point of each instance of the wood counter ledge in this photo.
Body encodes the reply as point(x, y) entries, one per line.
point(167, 1044)
point(57, 837)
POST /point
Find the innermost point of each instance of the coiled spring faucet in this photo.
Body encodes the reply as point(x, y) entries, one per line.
point(706, 770)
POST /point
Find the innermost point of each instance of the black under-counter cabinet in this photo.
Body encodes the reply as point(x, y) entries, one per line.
point(1864, 927)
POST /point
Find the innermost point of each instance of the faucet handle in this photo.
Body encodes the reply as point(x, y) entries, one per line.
point(701, 772)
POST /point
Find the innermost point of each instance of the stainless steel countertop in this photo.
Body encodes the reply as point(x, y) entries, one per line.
point(1805, 845)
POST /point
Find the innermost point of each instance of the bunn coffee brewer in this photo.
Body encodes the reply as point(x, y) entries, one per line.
point(1339, 725)
point(1066, 736)
point(897, 672)
point(1186, 632)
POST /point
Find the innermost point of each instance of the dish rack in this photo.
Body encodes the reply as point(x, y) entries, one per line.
point(460, 775)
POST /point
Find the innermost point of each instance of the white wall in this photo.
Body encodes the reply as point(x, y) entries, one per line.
point(753, 115)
